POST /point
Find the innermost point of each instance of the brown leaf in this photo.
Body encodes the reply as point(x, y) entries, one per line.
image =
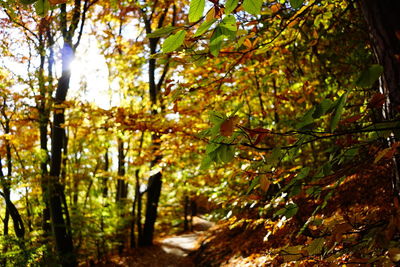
point(394, 254)
point(264, 183)
point(228, 126)
point(56, 2)
point(351, 119)
point(377, 100)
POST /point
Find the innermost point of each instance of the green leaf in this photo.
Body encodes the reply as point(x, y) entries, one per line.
point(252, 6)
point(162, 32)
point(27, 2)
point(230, 5)
point(237, 108)
point(205, 163)
point(288, 211)
point(276, 155)
point(42, 7)
point(307, 119)
point(291, 210)
point(296, 189)
point(216, 41)
point(296, 3)
point(255, 182)
point(174, 41)
point(226, 153)
point(229, 23)
point(322, 108)
point(316, 246)
point(303, 173)
point(369, 76)
point(338, 112)
point(211, 147)
point(216, 117)
point(196, 10)
point(204, 27)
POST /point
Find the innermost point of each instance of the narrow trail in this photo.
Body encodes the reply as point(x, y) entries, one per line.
point(172, 251)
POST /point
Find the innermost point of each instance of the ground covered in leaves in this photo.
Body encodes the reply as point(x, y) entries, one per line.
point(359, 225)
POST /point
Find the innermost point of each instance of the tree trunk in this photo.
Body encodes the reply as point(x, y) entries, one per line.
point(56, 190)
point(154, 183)
point(121, 194)
point(383, 20)
point(122, 186)
point(153, 196)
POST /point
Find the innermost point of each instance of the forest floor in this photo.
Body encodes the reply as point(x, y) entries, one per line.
point(169, 251)
point(359, 226)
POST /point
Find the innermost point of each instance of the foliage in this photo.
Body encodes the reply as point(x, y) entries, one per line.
point(269, 110)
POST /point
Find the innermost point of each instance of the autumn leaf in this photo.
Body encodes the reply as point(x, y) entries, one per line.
point(264, 183)
point(228, 125)
point(316, 246)
point(56, 2)
point(377, 100)
point(394, 254)
point(351, 119)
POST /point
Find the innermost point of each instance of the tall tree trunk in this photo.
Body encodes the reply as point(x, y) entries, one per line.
point(155, 181)
point(153, 196)
point(43, 123)
point(383, 20)
point(56, 190)
point(121, 194)
point(122, 186)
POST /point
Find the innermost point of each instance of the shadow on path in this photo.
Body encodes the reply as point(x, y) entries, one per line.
point(170, 251)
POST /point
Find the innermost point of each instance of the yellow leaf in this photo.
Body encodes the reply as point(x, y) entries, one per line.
point(394, 254)
point(381, 154)
point(210, 14)
point(248, 44)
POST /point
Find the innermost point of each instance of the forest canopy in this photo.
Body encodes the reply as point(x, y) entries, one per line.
point(278, 119)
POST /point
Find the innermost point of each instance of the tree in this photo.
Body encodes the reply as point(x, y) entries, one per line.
point(383, 26)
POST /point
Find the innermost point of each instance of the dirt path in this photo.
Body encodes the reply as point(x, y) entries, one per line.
point(170, 251)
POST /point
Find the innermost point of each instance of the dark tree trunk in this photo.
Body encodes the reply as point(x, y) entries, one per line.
point(43, 123)
point(383, 20)
point(136, 217)
point(153, 196)
point(186, 207)
point(56, 190)
point(154, 183)
point(121, 195)
point(122, 185)
point(105, 179)
point(139, 210)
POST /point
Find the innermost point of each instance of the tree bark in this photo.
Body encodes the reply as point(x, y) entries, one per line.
point(62, 236)
point(383, 20)
point(153, 196)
